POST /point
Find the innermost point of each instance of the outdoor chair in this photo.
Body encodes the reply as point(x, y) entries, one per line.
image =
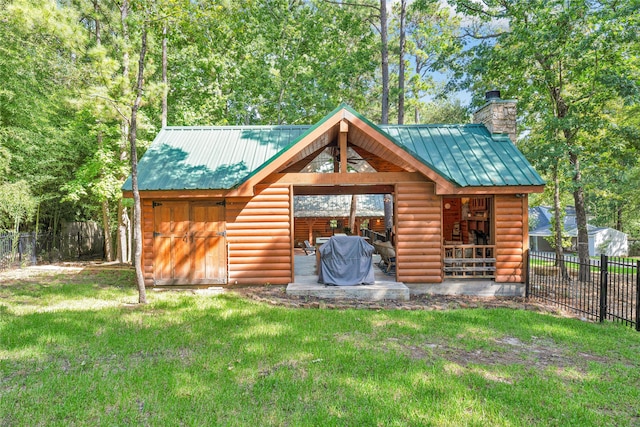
point(387, 255)
point(308, 248)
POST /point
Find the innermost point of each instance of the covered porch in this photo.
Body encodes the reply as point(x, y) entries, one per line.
point(306, 284)
point(387, 288)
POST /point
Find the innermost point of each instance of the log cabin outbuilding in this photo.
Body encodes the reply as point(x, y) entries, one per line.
point(218, 202)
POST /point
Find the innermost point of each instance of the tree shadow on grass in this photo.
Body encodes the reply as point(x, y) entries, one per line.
point(228, 360)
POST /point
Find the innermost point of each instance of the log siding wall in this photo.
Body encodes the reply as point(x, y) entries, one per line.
point(259, 237)
point(511, 229)
point(418, 215)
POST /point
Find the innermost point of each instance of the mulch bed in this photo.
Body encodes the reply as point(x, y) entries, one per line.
point(276, 295)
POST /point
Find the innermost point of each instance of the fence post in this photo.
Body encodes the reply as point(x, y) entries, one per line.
point(19, 248)
point(34, 249)
point(637, 295)
point(604, 279)
point(527, 264)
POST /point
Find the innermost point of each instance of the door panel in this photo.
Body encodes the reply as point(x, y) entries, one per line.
point(171, 228)
point(189, 243)
point(209, 249)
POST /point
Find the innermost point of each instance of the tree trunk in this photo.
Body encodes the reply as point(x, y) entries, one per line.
point(129, 237)
point(619, 217)
point(106, 220)
point(56, 219)
point(106, 224)
point(403, 11)
point(122, 252)
point(124, 13)
point(581, 220)
point(96, 9)
point(388, 215)
point(384, 52)
point(352, 214)
point(558, 225)
point(137, 209)
point(165, 82)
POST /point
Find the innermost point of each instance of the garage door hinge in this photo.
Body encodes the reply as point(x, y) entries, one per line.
point(156, 234)
point(222, 203)
point(222, 233)
point(156, 204)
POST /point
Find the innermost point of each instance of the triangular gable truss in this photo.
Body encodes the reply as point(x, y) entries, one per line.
point(348, 129)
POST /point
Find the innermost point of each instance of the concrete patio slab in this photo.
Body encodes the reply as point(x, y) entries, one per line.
point(308, 286)
point(480, 288)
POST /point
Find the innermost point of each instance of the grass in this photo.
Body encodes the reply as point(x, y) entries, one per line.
point(75, 350)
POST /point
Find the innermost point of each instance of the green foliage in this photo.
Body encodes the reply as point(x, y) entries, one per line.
point(68, 71)
point(444, 112)
point(262, 62)
point(17, 205)
point(40, 45)
point(570, 65)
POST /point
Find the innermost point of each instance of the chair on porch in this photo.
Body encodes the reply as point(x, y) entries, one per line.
point(387, 255)
point(308, 248)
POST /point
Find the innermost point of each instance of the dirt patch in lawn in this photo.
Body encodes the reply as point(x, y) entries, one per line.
point(539, 354)
point(100, 274)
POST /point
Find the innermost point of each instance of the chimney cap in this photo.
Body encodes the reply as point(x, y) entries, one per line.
point(492, 94)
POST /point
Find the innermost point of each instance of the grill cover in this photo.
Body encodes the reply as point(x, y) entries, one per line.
point(346, 261)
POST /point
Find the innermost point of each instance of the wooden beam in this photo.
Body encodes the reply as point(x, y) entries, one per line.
point(337, 179)
point(308, 181)
point(521, 190)
point(338, 190)
point(179, 194)
point(342, 141)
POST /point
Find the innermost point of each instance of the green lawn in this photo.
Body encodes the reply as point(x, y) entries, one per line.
point(75, 350)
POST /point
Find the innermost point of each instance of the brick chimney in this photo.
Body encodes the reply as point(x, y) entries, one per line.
point(498, 115)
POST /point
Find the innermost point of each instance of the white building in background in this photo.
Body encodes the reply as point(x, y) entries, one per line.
point(602, 240)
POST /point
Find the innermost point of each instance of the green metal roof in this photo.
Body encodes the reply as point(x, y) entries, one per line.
point(190, 158)
point(220, 157)
point(467, 155)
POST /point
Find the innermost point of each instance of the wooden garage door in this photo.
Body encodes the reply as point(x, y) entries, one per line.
point(189, 243)
point(209, 253)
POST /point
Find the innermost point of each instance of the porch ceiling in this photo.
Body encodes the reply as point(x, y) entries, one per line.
point(314, 148)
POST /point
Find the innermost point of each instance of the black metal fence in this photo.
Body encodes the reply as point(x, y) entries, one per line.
point(17, 249)
point(25, 249)
point(602, 289)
